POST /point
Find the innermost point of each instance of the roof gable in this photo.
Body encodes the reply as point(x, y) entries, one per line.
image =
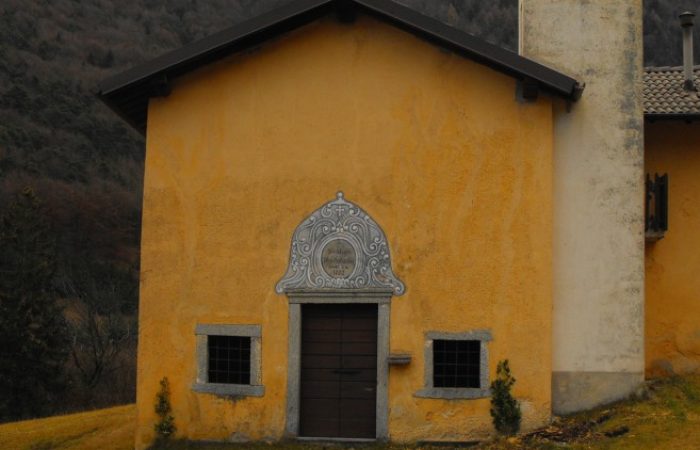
point(127, 93)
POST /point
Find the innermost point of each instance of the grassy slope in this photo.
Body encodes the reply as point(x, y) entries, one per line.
point(669, 418)
point(111, 428)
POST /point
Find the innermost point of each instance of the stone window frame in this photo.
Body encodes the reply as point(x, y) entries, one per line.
point(483, 391)
point(254, 332)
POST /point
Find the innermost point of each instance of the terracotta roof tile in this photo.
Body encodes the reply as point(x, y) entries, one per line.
point(664, 93)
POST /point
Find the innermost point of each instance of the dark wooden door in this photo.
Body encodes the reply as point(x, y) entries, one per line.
point(338, 371)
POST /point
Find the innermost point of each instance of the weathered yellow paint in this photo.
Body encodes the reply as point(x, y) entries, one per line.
point(672, 282)
point(435, 147)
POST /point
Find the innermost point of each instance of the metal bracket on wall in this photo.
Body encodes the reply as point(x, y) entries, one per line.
point(399, 359)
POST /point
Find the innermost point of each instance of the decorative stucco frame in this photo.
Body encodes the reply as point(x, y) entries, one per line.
point(369, 280)
point(430, 391)
point(254, 332)
point(340, 220)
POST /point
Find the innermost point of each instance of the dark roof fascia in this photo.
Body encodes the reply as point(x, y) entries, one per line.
point(127, 93)
point(244, 35)
point(649, 69)
point(656, 117)
point(474, 48)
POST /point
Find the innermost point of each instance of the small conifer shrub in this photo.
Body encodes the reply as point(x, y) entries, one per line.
point(505, 410)
point(166, 425)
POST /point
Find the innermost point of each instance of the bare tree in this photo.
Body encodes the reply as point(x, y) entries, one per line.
point(101, 321)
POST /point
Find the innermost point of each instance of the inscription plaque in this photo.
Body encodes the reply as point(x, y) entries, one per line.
point(338, 258)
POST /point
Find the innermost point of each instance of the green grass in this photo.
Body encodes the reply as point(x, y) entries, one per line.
point(667, 418)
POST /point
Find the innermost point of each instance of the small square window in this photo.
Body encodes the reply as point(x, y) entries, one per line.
point(456, 365)
point(229, 360)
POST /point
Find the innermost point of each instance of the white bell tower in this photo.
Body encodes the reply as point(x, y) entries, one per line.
point(598, 246)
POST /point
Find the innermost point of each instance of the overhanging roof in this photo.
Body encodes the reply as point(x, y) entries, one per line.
point(127, 93)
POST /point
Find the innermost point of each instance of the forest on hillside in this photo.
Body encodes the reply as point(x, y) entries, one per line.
point(71, 177)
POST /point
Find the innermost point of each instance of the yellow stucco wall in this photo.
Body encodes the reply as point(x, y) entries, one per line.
point(673, 263)
point(435, 147)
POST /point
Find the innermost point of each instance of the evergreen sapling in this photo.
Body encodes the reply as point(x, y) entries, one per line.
point(166, 425)
point(505, 410)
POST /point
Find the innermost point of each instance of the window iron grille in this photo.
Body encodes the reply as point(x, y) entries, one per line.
point(456, 363)
point(229, 359)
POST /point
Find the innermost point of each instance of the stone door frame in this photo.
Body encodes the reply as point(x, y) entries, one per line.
point(382, 298)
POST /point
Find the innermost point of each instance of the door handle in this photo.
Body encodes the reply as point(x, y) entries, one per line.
point(346, 371)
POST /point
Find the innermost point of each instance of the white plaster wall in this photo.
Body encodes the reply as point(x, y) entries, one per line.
point(598, 195)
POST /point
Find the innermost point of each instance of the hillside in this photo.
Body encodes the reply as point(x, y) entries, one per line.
point(86, 166)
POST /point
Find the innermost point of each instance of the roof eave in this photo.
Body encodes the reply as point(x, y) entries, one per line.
point(474, 48)
point(134, 82)
point(687, 117)
point(141, 128)
point(252, 31)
